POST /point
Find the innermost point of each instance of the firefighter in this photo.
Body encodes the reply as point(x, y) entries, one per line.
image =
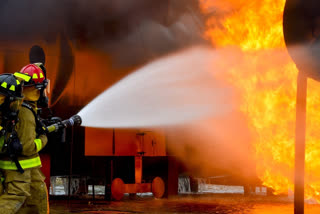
point(25, 190)
point(10, 103)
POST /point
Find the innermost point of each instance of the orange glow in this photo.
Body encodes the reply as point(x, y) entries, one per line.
point(266, 76)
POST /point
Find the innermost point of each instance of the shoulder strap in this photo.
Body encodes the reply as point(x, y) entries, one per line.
point(26, 105)
point(40, 127)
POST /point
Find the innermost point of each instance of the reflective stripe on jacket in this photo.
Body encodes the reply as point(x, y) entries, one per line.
point(25, 164)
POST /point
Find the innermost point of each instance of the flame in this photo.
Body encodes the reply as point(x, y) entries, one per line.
point(266, 77)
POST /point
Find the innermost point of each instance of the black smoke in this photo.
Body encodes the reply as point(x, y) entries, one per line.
point(132, 30)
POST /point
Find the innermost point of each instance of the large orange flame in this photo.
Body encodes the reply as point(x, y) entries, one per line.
point(266, 78)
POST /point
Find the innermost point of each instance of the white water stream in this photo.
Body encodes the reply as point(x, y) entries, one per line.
point(173, 90)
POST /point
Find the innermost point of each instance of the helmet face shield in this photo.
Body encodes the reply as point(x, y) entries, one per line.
point(42, 86)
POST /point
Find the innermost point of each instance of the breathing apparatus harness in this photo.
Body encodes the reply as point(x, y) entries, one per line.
point(40, 126)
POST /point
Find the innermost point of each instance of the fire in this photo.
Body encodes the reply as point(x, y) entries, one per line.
point(266, 78)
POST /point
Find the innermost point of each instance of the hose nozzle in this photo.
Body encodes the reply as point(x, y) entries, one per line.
point(75, 120)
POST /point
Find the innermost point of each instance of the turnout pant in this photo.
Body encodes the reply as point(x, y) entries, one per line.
point(24, 193)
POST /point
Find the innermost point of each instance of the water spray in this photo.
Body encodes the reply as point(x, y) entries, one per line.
point(175, 89)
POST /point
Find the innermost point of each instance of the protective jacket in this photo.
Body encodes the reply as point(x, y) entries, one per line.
point(25, 192)
point(31, 143)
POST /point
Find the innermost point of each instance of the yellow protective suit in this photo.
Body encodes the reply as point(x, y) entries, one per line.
point(26, 192)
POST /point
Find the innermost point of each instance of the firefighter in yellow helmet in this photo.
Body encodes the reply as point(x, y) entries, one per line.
point(25, 189)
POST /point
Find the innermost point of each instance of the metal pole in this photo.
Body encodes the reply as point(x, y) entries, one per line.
point(109, 169)
point(300, 143)
point(70, 170)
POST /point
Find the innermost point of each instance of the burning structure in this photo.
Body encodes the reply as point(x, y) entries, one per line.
point(100, 44)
